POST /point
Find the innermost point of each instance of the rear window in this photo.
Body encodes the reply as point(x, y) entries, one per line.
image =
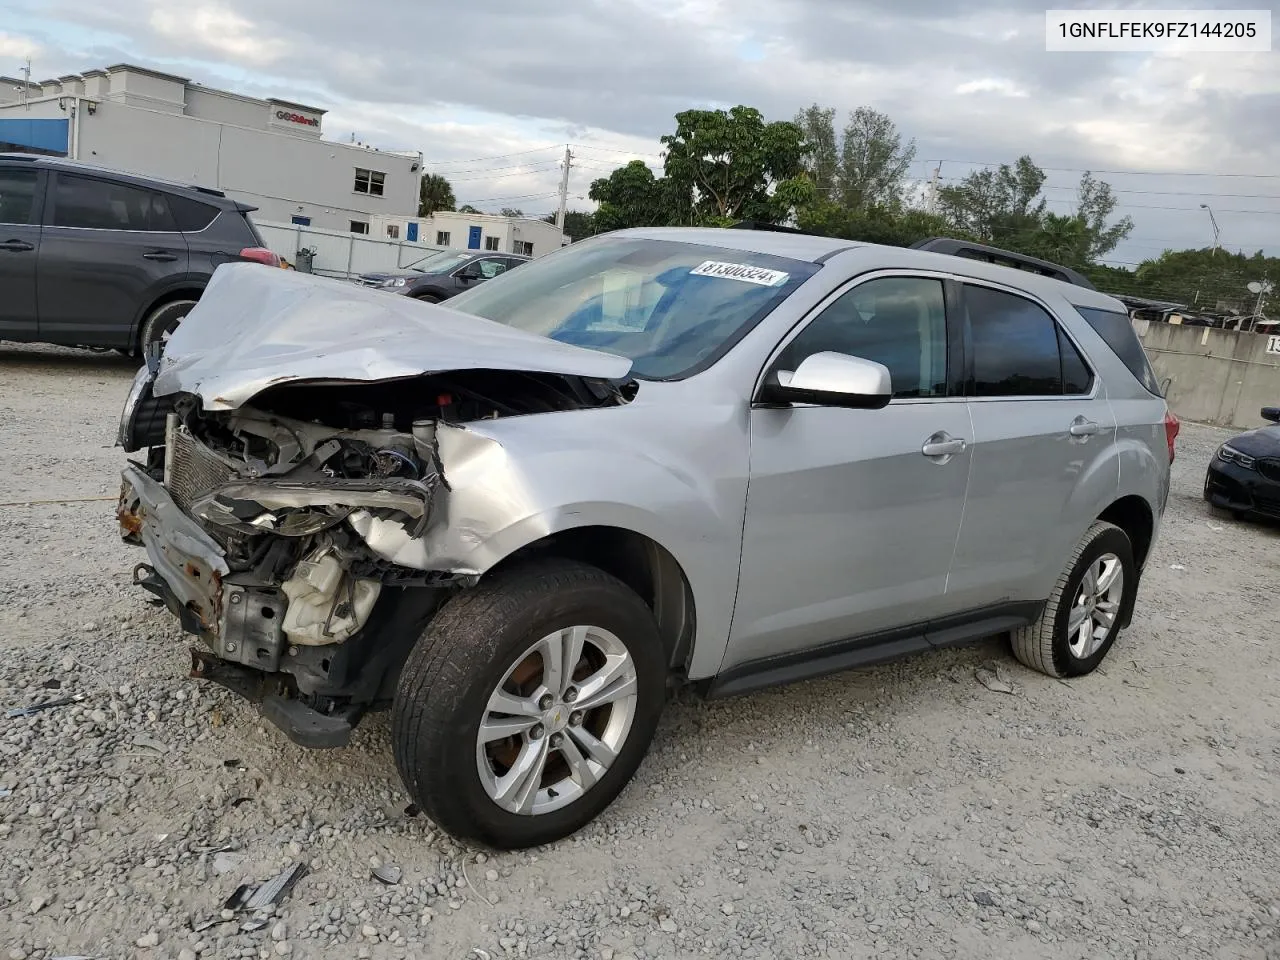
point(92, 204)
point(192, 216)
point(1117, 330)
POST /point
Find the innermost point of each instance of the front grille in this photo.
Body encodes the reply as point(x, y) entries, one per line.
point(1269, 506)
point(191, 468)
point(1269, 468)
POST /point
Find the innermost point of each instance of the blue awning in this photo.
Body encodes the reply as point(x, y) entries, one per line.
point(34, 136)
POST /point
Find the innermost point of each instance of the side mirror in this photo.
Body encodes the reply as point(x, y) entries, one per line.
point(831, 380)
point(1271, 413)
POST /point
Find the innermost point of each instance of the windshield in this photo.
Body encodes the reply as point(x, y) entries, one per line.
point(671, 308)
point(441, 262)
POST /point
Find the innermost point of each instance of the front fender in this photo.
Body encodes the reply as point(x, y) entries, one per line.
point(510, 483)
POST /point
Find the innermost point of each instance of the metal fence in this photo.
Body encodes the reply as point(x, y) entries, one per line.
point(340, 254)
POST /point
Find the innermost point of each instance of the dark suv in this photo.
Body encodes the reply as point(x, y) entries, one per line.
point(97, 258)
point(444, 274)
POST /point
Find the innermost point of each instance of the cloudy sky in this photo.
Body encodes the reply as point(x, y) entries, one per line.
point(490, 92)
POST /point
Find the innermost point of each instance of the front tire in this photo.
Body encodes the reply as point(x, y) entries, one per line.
point(427, 298)
point(1090, 601)
point(162, 321)
point(528, 704)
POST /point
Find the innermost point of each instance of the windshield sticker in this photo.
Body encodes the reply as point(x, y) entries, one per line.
point(740, 271)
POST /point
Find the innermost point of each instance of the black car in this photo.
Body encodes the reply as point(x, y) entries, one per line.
point(444, 274)
point(1244, 475)
point(91, 257)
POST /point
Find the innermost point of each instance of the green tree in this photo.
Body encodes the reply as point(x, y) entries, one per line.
point(631, 196)
point(723, 166)
point(873, 161)
point(578, 225)
point(1094, 206)
point(512, 212)
point(468, 208)
point(996, 206)
point(823, 163)
point(892, 226)
point(434, 193)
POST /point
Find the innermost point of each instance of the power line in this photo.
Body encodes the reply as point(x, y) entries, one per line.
point(629, 153)
point(501, 156)
point(1126, 173)
point(513, 166)
point(1165, 193)
point(525, 196)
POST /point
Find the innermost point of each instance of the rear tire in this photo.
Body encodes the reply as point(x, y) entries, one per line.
point(1079, 623)
point(484, 648)
point(163, 320)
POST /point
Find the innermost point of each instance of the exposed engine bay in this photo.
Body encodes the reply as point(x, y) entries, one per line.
point(282, 490)
point(295, 499)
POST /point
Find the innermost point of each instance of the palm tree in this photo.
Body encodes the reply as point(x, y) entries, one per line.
point(434, 194)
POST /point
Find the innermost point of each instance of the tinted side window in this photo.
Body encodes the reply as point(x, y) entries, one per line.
point(1117, 330)
point(191, 216)
point(17, 195)
point(1076, 377)
point(1015, 345)
point(104, 205)
point(900, 322)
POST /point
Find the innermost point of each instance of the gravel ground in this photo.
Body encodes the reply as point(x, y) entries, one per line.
point(904, 811)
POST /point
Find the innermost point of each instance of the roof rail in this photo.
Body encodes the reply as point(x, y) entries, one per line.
point(1004, 258)
point(760, 225)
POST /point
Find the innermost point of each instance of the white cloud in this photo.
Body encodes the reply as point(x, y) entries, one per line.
point(219, 30)
point(13, 47)
point(1006, 88)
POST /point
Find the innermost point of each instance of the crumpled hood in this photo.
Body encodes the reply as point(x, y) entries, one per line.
point(1262, 442)
point(255, 327)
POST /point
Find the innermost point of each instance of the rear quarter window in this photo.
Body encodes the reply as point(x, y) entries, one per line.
point(192, 216)
point(1117, 330)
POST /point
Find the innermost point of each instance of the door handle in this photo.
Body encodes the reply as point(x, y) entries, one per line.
point(16, 246)
point(162, 255)
point(943, 445)
point(1080, 427)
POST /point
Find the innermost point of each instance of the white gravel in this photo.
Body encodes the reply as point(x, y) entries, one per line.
point(904, 811)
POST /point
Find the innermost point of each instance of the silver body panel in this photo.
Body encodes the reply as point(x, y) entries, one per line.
point(794, 527)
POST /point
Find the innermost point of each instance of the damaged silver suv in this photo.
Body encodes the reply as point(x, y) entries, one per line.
point(727, 458)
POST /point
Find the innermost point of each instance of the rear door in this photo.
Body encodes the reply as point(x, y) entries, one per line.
point(21, 193)
point(1042, 428)
point(107, 250)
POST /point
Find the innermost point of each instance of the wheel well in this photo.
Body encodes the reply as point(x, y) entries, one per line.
point(169, 296)
point(1133, 516)
point(643, 564)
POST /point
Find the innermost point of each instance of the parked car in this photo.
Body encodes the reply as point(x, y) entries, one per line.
point(91, 257)
point(721, 458)
point(444, 274)
point(1244, 474)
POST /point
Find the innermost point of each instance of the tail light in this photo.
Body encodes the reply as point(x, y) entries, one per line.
point(260, 255)
point(1171, 428)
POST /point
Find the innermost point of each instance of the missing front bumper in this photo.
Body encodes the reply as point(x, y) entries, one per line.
point(301, 723)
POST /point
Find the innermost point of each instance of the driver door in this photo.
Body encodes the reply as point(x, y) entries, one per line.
point(850, 526)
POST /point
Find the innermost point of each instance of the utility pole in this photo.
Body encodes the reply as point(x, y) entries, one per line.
point(564, 188)
point(26, 84)
point(931, 205)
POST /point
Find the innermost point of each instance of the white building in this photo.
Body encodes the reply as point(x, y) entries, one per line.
point(473, 231)
point(268, 153)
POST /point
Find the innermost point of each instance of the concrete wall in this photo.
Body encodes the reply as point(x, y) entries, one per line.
point(339, 253)
point(1216, 376)
point(282, 175)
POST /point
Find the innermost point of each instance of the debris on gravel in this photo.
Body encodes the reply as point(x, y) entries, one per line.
point(901, 811)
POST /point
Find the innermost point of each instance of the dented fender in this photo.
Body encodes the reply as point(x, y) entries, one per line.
point(512, 482)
